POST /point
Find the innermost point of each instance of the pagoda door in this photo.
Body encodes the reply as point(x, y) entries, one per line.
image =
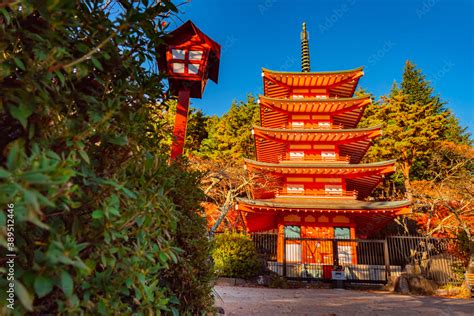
point(318, 249)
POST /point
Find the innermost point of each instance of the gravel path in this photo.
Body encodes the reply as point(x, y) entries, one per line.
point(238, 301)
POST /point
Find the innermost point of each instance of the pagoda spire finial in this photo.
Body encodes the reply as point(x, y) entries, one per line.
point(304, 50)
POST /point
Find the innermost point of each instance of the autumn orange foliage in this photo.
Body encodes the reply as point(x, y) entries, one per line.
point(232, 221)
point(446, 203)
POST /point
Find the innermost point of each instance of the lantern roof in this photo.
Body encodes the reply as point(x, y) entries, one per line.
point(188, 33)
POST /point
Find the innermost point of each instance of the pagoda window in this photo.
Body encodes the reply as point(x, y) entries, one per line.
point(345, 251)
point(295, 188)
point(328, 155)
point(321, 96)
point(296, 124)
point(296, 155)
point(324, 124)
point(333, 189)
point(292, 231)
point(297, 96)
point(342, 233)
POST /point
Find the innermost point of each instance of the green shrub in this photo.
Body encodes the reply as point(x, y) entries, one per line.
point(101, 219)
point(235, 256)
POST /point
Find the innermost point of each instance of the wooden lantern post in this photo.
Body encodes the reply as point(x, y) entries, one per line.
point(189, 58)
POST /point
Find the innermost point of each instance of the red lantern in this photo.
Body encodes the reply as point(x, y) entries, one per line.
point(189, 58)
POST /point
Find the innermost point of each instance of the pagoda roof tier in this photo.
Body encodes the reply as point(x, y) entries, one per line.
point(285, 203)
point(345, 111)
point(278, 84)
point(339, 136)
point(362, 178)
point(368, 215)
point(351, 170)
point(312, 105)
point(352, 142)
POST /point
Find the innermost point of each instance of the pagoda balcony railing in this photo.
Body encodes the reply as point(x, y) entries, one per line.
point(315, 193)
point(314, 126)
point(315, 158)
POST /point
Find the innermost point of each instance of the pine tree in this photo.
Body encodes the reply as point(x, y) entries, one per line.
point(418, 89)
point(413, 120)
point(410, 132)
point(196, 130)
point(395, 89)
point(230, 137)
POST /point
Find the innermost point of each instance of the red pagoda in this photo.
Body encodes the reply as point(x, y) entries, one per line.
point(309, 149)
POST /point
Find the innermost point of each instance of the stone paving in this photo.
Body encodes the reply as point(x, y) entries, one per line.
point(238, 301)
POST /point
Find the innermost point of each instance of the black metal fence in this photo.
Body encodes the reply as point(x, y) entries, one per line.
point(359, 260)
point(266, 244)
point(352, 259)
point(436, 258)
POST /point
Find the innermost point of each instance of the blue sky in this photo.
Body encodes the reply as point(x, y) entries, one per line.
point(380, 35)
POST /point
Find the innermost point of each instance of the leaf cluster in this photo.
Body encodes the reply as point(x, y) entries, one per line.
point(96, 206)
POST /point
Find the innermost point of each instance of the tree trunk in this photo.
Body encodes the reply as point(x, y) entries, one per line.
point(470, 268)
point(406, 175)
point(224, 210)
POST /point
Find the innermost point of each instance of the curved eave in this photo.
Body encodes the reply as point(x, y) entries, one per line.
point(337, 83)
point(332, 106)
point(383, 167)
point(319, 135)
point(271, 143)
point(312, 73)
point(272, 205)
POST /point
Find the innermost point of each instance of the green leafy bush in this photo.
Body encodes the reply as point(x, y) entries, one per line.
point(235, 256)
point(99, 213)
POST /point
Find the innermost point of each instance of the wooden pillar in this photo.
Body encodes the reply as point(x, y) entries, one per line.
point(281, 242)
point(180, 122)
point(354, 244)
point(284, 254)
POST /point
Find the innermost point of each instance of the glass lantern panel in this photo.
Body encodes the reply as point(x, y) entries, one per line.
point(195, 55)
point(193, 69)
point(178, 68)
point(178, 53)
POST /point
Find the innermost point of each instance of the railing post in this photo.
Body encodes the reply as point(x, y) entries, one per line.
point(284, 254)
point(335, 254)
point(387, 259)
